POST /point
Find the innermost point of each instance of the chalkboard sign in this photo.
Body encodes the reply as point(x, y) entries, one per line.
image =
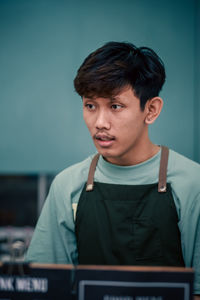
point(134, 283)
point(37, 282)
point(67, 282)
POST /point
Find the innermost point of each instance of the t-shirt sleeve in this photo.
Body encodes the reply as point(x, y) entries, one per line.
point(190, 235)
point(53, 241)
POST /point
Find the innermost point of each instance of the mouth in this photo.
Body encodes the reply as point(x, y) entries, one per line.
point(104, 140)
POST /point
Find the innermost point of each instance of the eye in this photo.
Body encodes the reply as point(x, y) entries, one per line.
point(116, 106)
point(90, 106)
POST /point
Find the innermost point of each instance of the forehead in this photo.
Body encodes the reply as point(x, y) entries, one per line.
point(126, 93)
point(111, 94)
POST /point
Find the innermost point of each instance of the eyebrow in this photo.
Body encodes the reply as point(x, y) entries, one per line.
point(88, 98)
point(115, 98)
point(112, 99)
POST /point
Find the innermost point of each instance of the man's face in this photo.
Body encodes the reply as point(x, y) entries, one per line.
point(117, 126)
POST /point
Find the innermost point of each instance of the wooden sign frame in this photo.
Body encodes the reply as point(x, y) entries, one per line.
point(134, 283)
point(68, 282)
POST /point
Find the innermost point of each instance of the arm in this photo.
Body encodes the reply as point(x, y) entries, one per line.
point(53, 241)
point(196, 250)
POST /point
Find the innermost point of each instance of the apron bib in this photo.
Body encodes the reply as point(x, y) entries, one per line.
point(128, 224)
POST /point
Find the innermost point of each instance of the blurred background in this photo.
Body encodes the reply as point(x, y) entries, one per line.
point(42, 44)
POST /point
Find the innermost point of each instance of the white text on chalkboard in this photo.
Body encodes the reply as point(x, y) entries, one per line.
point(24, 284)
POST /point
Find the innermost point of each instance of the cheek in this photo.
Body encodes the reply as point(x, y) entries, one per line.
point(129, 127)
point(88, 120)
point(126, 124)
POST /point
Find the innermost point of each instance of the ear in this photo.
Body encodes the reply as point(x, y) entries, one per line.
point(153, 108)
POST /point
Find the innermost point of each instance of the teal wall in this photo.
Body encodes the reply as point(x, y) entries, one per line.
point(43, 42)
point(197, 83)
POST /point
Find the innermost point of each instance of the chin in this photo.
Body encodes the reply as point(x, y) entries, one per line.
point(107, 153)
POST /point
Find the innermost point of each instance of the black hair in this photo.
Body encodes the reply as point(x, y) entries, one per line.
point(116, 65)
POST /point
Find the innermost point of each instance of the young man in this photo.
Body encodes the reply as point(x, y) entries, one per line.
point(140, 203)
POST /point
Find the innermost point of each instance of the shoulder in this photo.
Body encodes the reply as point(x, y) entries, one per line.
point(183, 167)
point(184, 174)
point(72, 178)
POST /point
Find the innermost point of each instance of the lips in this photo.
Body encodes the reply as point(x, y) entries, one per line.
point(104, 137)
point(104, 140)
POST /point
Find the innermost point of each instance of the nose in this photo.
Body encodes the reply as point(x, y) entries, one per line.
point(102, 120)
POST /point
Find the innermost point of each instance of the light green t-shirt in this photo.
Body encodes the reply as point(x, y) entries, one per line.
point(54, 239)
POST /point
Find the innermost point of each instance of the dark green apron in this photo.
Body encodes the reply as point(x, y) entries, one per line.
point(128, 224)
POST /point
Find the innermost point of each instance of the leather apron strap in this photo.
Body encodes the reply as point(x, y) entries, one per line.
point(90, 181)
point(162, 184)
